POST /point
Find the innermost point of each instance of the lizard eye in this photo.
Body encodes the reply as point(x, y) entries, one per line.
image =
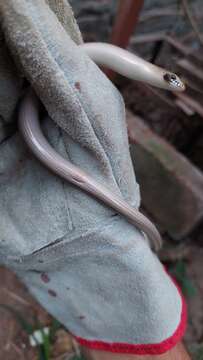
point(169, 77)
point(173, 77)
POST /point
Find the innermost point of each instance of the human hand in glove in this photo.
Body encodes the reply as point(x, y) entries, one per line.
point(88, 266)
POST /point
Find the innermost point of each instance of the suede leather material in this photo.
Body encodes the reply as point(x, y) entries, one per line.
point(88, 266)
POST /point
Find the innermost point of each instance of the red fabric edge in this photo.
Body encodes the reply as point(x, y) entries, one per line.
point(142, 349)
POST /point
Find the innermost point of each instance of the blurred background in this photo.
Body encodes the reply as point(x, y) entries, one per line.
point(166, 143)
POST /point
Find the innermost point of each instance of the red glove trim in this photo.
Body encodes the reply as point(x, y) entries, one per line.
point(142, 349)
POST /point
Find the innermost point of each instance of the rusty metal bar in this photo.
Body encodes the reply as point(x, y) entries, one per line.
point(124, 25)
point(125, 22)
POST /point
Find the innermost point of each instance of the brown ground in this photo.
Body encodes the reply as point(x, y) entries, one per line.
point(14, 342)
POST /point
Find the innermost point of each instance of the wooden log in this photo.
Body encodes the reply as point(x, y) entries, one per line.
point(190, 102)
point(124, 25)
point(171, 186)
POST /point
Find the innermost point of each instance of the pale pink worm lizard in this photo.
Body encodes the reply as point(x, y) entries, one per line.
point(126, 64)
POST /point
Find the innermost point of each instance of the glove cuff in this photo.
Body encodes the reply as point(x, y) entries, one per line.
point(143, 349)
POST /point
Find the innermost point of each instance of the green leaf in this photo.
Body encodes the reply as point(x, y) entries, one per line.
point(196, 351)
point(179, 271)
point(46, 344)
point(76, 357)
point(56, 325)
point(188, 287)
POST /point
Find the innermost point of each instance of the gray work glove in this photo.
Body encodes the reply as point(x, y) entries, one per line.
point(86, 265)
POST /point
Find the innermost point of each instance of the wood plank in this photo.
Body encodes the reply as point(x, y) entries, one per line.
point(190, 102)
point(191, 68)
point(165, 175)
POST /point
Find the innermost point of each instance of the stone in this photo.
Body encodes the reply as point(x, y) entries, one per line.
point(171, 186)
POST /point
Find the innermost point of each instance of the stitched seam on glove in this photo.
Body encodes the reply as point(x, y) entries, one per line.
point(59, 244)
